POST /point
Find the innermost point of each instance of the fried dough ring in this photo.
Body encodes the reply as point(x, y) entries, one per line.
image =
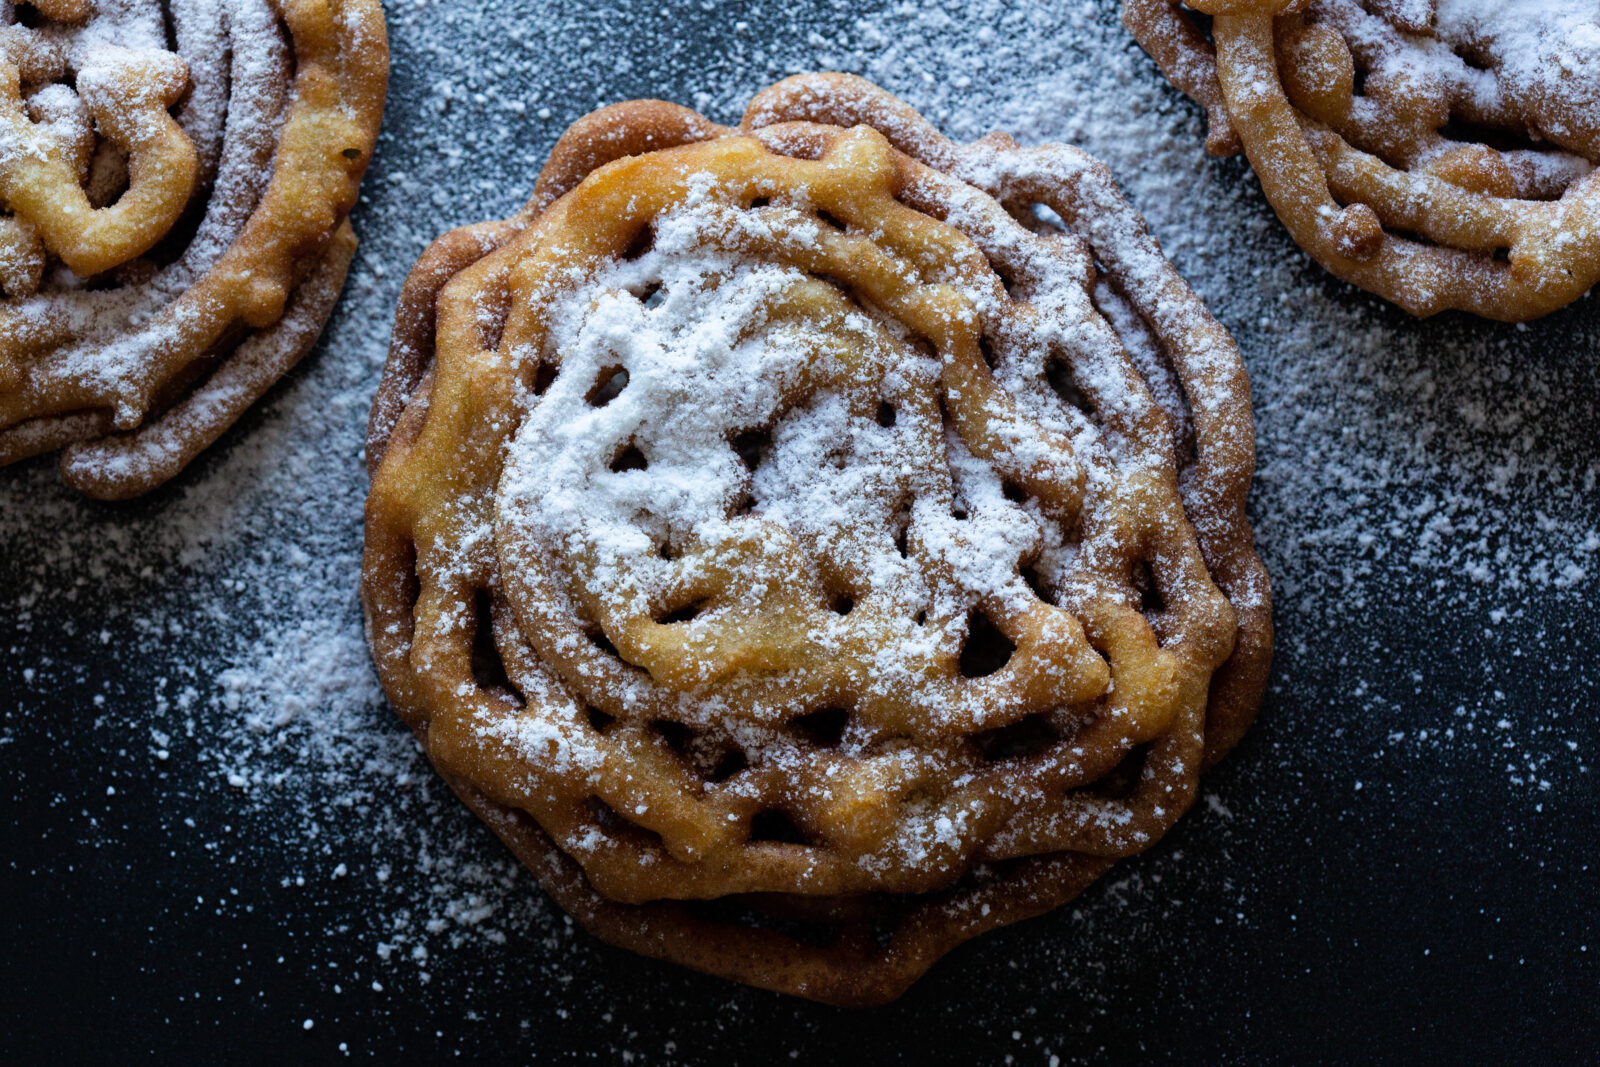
point(568, 758)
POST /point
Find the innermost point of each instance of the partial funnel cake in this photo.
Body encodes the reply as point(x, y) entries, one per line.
point(1439, 153)
point(812, 544)
point(174, 184)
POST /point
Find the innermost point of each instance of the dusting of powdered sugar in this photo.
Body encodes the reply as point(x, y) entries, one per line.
point(1517, 69)
point(186, 689)
point(629, 459)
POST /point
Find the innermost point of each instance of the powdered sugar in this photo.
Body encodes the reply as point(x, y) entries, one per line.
point(710, 347)
point(1504, 64)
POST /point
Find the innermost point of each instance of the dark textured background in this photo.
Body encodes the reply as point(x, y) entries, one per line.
point(1353, 882)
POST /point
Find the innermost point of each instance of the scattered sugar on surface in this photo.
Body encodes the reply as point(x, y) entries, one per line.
point(203, 649)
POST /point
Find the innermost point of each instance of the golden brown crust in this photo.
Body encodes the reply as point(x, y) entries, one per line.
point(851, 970)
point(132, 381)
point(624, 829)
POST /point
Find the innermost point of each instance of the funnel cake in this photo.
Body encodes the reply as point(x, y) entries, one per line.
point(1439, 153)
point(812, 544)
point(174, 185)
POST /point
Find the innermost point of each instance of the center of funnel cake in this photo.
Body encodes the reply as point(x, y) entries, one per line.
point(743, 479)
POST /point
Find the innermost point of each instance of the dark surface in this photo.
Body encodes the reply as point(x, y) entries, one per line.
point(1337, 893)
